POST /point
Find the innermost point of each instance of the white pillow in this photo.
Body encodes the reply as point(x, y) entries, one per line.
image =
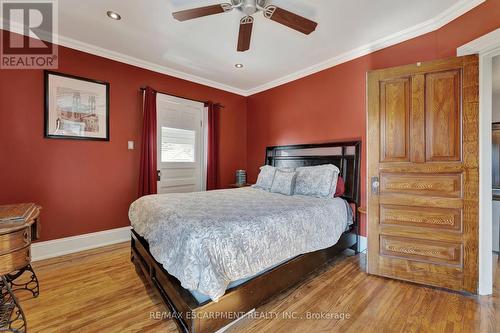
point(317, 181)
point(284, 182)
point(266, 177)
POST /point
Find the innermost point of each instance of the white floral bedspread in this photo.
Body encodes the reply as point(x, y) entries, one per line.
point(208, 239)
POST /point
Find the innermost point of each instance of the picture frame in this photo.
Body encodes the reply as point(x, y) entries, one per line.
point(76, 108)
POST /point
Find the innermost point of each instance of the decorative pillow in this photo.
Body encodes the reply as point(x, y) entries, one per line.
point(266, 177)
point(340, 187)
point(317, 181)
point(284, 182)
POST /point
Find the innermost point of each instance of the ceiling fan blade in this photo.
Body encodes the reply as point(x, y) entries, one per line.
point(246, 25)
point(290, 19)
point(190, 14)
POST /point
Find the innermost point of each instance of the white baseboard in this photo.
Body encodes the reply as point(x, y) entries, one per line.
point(62, 246)
point(363, 243)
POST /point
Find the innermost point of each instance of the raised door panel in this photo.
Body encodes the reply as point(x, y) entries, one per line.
point(445, 219)
point(394, 120)
point(438, 275)
point(421, 250)
point(443, 185)
point(442, 116)
point(417, 119)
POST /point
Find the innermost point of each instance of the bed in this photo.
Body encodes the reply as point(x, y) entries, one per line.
point(235, 249)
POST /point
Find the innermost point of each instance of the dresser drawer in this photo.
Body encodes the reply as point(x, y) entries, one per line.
point(14, 240)
point(14, 260)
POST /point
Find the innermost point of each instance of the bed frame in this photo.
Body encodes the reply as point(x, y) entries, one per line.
point(192, 316)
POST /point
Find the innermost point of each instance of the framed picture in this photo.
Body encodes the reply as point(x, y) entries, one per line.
point(76, 107)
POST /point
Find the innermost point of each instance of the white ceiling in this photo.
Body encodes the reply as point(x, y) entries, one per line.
point(204, 50)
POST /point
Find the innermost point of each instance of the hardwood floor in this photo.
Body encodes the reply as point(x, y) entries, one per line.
point(93, 291)
point(100, 291)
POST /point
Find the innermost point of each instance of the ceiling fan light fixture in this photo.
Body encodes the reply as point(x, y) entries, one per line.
point(250, 7)
point(113, 15)
point(238, 65)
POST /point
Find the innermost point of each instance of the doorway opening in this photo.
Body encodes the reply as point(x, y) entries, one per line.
point(496, 153)
point(488, 47)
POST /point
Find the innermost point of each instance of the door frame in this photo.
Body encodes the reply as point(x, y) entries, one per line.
point(487, 46)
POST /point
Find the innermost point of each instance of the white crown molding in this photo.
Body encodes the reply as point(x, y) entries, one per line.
point(484, 45)
point(102, 52)
point(63, 246)
point(123, 58)
point(433, 24)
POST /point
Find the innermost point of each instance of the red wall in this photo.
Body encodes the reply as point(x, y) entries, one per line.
point(330, 105)
point(87, 186)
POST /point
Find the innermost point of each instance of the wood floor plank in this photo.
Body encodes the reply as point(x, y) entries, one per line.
point(94, 291)
point(100, 291)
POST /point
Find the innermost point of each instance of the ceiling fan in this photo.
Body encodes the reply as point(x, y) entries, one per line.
point(250, 7)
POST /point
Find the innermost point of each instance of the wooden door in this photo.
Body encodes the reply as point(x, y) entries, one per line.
point(180, 145)
point(423, 176)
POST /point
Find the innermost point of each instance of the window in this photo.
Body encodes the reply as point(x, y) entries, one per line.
point(177, 145)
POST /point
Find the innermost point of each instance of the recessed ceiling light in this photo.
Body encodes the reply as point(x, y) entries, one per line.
point(238, 65)
point(114, 15)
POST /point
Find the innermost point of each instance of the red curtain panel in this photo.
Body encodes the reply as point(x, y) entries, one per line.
point(147, 181)
point(213, 147)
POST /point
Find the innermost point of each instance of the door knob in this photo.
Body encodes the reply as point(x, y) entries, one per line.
point(158, 175)
point(375, 185)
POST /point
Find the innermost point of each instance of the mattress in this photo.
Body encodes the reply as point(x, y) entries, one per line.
point(209, 239)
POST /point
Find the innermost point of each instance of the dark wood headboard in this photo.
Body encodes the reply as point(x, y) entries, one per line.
point(345, 155)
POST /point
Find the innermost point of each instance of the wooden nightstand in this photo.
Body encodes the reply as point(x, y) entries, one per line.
point(19, 225)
